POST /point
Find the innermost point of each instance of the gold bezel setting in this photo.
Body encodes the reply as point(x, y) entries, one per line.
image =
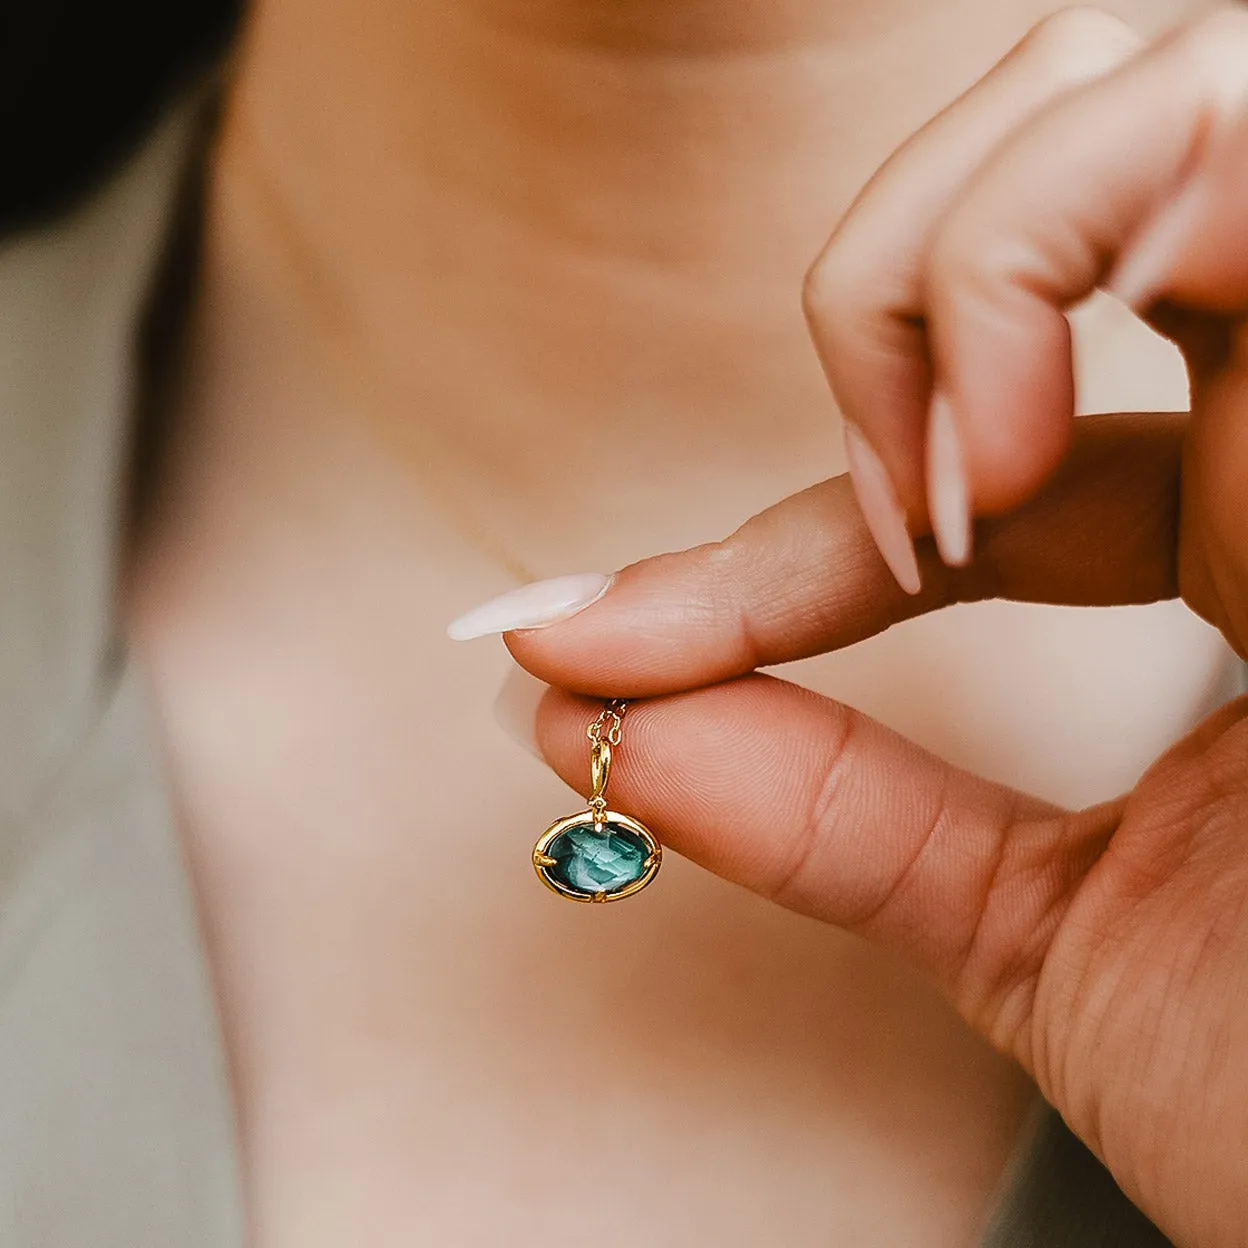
point(542, 861)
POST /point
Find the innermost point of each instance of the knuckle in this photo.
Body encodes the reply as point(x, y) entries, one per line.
point(1230, 22)
point(979, 253)
point(965, 252)
point(837, 295)
point(824, 819)
point(1080, 42)
point(830, 283)
point(1216, 47)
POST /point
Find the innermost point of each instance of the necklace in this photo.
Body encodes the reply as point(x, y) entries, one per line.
point(598, 854)
point(346, 350)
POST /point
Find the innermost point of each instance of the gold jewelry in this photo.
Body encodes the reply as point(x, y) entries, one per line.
point(348, 349)
point(598, 854)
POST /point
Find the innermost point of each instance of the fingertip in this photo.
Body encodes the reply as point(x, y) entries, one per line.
point(948, 496)
point(1005, 363)
point(538, 604)
point(516, 709)
point(1141, 275)
point(667, 621)
point(881, 509)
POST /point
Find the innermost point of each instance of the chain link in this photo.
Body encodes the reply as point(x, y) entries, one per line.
point(609, 726)
point(604, 736)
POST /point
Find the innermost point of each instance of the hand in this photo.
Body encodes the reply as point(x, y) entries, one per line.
point(1106, 949)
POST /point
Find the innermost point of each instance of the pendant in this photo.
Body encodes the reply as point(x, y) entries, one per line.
point(598, 854)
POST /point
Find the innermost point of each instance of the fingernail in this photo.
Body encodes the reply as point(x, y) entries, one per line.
point(881, 509)
point(1139, 279)
point(515, 708)
point(531, 606)
point(946, 486)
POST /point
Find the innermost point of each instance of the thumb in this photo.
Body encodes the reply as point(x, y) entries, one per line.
point(824, 810)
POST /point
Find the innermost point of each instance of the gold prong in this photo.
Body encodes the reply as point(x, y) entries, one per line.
point(542, 861)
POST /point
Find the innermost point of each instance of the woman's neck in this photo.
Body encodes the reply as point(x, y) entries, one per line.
point(547, 177)
point(570, 223)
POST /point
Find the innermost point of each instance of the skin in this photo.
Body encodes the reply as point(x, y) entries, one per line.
point(1105, 948)
point(441, 241)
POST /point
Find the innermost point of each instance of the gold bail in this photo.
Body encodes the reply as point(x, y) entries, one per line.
point(599, 772)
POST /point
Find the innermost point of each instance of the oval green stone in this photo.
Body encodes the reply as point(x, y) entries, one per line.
point(589, 861)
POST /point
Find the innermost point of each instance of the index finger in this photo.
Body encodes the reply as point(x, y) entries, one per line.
point(805, 577)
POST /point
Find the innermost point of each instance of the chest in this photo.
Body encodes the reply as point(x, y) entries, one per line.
point(422, 1040)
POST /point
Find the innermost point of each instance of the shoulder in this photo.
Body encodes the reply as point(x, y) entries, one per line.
point(72, 293)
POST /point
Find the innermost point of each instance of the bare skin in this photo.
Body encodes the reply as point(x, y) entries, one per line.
point(1106, 948)
point(471, 270)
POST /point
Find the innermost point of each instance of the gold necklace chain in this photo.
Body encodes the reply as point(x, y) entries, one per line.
point(598, 854)
point(609, 726)
point(337, 327)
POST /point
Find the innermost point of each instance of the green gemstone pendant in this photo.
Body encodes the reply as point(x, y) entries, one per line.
point(598, 854)
point(597, 859)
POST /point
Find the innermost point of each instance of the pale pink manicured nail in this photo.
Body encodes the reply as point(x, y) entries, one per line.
point(1140, 276)
point(946, 486)
point(531, 606)
point(515, 708)
point(881, 509)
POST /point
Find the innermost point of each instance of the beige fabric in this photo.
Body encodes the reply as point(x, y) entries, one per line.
point(115, 1127)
